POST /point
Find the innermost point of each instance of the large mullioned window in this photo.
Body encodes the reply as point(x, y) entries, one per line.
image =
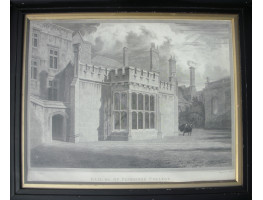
point(120, 111)
point(34, 66)
point(53, 58)
point(53, 90)
point(143, 111)
point(35, 38)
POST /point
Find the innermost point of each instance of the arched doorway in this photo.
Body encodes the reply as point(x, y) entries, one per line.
point(58, 127)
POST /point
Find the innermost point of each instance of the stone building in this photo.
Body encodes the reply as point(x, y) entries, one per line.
point(214, 99)
point(72, 97)
point(217, 102)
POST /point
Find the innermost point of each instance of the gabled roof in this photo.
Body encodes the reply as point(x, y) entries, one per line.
point(76, 36)
point(106, 62)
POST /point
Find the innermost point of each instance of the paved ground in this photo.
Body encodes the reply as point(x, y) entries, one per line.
point(205, 148)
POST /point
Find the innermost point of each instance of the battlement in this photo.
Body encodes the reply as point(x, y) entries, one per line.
point(135, 75)
point(92, 72)
point(166, 87)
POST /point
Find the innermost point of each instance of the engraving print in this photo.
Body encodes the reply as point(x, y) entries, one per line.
point(129, 101)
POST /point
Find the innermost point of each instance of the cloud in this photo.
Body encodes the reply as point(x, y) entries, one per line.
point(204, 42)
point(82, 27)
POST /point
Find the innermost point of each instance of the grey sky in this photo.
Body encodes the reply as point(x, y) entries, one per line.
point(204, 42)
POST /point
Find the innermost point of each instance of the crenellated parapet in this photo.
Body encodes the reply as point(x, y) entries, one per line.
point(93, 73)
point(166, 87)
point(134, 75)
point(144, 77)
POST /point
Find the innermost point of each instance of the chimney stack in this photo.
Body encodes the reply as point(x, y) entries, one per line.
point(207, 81)
point(192, 76)
point(125, 57)
point(154, 59)
point(172, 68)
point(76, 49)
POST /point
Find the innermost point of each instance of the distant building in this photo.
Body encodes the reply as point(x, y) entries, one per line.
point(214, 99)
point(217, 101)
point(77, 97)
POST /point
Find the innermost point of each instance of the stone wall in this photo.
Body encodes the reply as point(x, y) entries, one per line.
point(50, 37)
point(220, 92)
point(40, 120)
point(168, 115)
point(92, 99)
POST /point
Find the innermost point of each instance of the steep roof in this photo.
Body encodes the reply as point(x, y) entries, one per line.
point(106, 62)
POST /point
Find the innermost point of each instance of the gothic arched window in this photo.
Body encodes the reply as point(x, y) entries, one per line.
point(147, 106)
point(123, 101)
point(116, 101)
point(123, 120)
point(140, 102)
point(134, 120)
point(134, 101)
point(120, 111)
point(152, 103)
point(116, 120)
point(140, 120)
point(147, 120)
point(152, 124)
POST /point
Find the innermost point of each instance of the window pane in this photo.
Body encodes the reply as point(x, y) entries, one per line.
point(134, 120)
point(152, 103)
point(123, 120)
point(123, 101)
point(116, 120)
point(140, 120)
point(134, 101)
point(51, 52)
point(51, 61)
point(146, 102)
point(35, 35)
point(55, 96)
point(140, 102)
point(32, 68)
point(146, 120)
point(152, 120)
point(55, 53)
point(50, 83)
point(35, 42)
point(50, 93)
point(117, 101)
point(55, 63)
point(35, 73)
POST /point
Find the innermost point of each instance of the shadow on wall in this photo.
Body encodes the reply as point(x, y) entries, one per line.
point(36, 132)
point(43, 90)
point(65, 78)
point(104, 112)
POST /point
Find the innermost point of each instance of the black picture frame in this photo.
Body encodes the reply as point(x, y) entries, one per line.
point(20, 8)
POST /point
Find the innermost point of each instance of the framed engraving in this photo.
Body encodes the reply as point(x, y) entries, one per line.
point(137, 100)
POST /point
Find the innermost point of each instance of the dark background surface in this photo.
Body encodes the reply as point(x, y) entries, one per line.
point(18, 10)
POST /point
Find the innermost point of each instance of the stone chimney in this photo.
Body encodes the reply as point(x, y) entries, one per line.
point(172, 68)
point(125, 57)
point(207, 81)
point(154, 59)
point(192, 82)
point(192, 76)
point(76, 49)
